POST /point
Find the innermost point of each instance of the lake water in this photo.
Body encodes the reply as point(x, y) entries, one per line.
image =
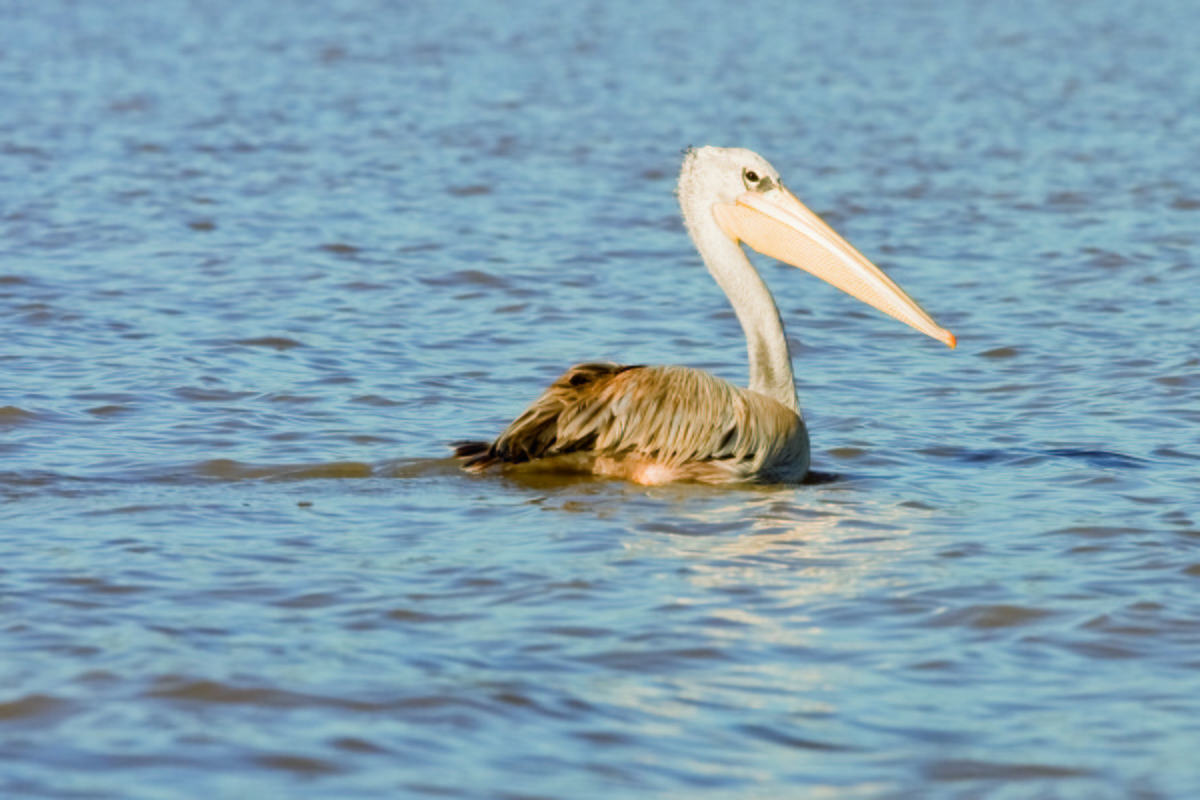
point(260, 262)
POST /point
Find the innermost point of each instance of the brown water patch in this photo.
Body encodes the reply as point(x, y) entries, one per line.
point(12, 415)
point(991, 616)
point(34, 708)
point(274, 342)
point(971, 770)
point(226, 469)
point(305, 765)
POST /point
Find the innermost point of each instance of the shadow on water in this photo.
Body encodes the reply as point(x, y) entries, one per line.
point(421, 468)
point(230, 470)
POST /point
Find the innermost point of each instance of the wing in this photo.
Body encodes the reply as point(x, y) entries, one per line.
point(671, 416)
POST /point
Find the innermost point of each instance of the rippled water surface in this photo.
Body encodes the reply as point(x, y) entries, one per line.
point(259, 262)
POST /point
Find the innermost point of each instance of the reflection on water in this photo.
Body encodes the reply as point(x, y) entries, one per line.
point(257, 268)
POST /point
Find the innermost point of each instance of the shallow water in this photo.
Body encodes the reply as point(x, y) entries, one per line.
point(258, 266)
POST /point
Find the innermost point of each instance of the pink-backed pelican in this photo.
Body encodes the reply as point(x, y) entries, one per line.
point(658, 424)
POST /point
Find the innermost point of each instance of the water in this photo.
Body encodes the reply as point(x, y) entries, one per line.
point(258, 264)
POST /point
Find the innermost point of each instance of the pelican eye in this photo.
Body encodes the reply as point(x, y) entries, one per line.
point(756, 182)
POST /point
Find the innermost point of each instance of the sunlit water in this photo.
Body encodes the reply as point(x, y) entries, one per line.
point(259, 262)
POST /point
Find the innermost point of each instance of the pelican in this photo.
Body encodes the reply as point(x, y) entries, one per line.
point(655, 425)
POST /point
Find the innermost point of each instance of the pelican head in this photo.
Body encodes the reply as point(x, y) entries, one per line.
point(746, 197)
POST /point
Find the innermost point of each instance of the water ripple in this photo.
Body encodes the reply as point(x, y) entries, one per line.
point(252, 290)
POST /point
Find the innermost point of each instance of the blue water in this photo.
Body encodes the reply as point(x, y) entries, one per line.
point(259, 262)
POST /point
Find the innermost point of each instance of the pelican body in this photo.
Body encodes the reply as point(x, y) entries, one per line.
point(654, 425)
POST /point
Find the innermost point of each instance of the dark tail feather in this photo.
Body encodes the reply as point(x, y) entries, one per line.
point(534, 434)
point(476, 456)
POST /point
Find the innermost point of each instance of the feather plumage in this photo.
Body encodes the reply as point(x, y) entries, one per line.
point(662, 423)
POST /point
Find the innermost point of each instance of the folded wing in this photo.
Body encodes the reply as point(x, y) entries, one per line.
point(676, 418)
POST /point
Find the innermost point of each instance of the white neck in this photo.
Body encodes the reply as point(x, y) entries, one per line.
point(770, 361)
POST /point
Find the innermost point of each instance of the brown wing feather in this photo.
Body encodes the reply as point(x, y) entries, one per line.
point(675, 417)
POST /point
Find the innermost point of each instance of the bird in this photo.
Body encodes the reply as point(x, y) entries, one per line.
point(661, 424)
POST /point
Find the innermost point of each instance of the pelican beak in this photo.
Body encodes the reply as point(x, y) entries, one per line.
point(778, 225)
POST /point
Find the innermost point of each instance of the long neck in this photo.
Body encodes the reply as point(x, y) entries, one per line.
point(770, 361)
